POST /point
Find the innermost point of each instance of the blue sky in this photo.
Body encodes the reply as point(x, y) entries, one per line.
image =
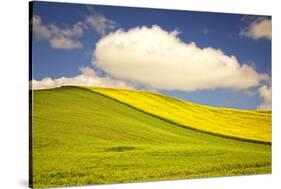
point(63, 51)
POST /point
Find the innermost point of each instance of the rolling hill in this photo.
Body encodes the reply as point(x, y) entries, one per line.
point(242, 124)
point(82, 137)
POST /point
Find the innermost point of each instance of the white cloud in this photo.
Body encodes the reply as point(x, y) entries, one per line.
point(67, 38)
point(64, 43)
point(265, 93)
point(88, 77)
point(39, 29)
point(76, 30)
point(159, 59)
point(99, 23)
point(59, 38)
point(258, 28)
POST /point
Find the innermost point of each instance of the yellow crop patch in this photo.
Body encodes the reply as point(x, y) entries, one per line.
point(243, 124)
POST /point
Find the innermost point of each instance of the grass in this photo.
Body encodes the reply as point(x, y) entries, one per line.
point(81, 137)
point(243, 124)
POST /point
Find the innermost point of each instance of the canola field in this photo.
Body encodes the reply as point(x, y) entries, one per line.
point(242, 124)
point(82, 137)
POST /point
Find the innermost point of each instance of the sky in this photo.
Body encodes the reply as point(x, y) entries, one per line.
point(215, 59)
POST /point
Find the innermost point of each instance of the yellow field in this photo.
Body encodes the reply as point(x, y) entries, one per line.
point(244, 124)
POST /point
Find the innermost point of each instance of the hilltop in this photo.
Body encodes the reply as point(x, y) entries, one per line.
point(82, 137)
point(249, 125)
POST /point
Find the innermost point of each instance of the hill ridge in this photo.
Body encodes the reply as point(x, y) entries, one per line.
point(177, 124)
point(252, 112)
point(81, 137)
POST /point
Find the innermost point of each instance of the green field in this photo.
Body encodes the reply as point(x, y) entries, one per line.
point(82, 137)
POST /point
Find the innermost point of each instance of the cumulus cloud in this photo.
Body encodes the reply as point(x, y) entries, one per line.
point(88, 77)
point(64, 43)
point(265, 93)
point(59, 38)
point(67, 38)
point(257, 28)
point(160, 59)
point(99, 23)
point(39, 29)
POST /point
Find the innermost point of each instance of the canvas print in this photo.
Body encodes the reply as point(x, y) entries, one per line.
point(124, 94)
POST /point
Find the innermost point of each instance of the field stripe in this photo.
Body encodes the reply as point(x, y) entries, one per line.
point(177, 124)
